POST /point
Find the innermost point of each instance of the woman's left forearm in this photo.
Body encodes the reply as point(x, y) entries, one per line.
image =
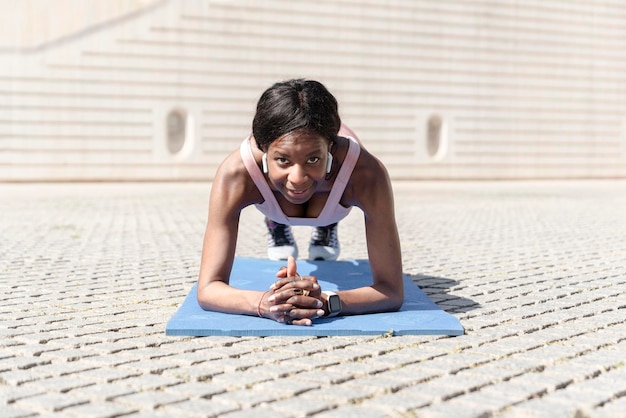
point(370, 299)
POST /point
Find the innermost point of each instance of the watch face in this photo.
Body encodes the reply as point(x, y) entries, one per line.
point(334, 303)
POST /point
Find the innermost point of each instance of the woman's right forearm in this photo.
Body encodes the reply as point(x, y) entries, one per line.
point(219, 296)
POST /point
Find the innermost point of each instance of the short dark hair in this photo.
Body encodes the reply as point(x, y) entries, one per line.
point(294, 105)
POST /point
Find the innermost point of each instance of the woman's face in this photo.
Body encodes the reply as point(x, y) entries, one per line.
point(297, 165)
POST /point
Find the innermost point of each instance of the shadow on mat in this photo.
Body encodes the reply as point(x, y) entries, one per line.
point(437, 289)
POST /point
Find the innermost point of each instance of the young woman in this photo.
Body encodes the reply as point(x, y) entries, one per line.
point(301, 166)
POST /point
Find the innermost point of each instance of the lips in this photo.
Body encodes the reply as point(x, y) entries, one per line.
point(299, 193)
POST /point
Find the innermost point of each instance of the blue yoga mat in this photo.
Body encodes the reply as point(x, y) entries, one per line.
point(418, 316)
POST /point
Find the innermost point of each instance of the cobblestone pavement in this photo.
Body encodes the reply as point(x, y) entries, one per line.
point(536, 272)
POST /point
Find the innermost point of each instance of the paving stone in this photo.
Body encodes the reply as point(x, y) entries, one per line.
point(50, 402)
point(487, 400)
point(199, 372)
point(299, 406)
point(13, 363)
point(613, 408)
point(534, 270)
point(365, 367)
point(412, 374)
point(239, 379)
point(151, 382)
point(20, 377)
point(104, 375)
point(60, 384)
point(198, 408)
point(10, 394)
point(100, 410)
point(149, 366)
point(149, 400)
point(196, 389)
point(340, 393)
point(442, 410)
point(99, 392)
point(10, 411)
point(249, 398)
point(323, 377)
point(398, 402)
point(545, 408)
point(351, 411)
point(250, 413)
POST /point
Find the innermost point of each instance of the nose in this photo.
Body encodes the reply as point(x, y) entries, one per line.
point(297, 175)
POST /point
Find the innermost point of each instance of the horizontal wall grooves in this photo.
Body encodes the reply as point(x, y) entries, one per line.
point(525, 89)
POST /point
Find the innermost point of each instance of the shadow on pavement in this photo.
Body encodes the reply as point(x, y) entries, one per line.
point(438, 288)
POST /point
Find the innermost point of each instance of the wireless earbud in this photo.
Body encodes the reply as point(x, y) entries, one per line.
point(264, 163)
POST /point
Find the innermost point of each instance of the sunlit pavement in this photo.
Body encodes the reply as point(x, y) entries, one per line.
point(535, 271)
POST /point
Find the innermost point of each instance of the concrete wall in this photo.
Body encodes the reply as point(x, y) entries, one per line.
point(447, 89)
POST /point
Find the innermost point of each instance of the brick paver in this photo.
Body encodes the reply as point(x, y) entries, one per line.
point(535, 271)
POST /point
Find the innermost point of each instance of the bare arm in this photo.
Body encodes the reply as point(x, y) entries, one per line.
point(372, 192)
point(230, 193)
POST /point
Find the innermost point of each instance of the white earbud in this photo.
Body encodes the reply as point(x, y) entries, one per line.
point(264, 163)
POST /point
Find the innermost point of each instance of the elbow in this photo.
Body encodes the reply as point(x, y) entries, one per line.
point(395, 299)
point(395, 303)
point(204, 299)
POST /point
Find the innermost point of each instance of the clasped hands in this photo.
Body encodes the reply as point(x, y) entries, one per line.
point(293, 299)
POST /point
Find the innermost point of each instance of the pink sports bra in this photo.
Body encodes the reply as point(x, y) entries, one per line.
point(332, 212)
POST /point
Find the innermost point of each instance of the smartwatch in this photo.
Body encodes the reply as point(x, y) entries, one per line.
point(333, 302)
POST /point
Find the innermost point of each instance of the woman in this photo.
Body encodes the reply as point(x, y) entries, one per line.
point(300, 167)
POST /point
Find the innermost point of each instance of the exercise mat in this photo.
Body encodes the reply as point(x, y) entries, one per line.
point(418, 315)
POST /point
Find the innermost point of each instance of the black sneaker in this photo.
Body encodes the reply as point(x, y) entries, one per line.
point(324, 243)
point(280, 242)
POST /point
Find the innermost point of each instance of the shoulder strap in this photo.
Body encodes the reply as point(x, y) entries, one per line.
point(343, 177)
point(255, 173)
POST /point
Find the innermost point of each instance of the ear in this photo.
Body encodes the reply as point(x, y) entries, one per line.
point(264, 163)
point(329, 163)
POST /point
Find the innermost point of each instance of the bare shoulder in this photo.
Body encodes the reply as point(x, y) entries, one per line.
point(233, 185)
point(369, 182)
